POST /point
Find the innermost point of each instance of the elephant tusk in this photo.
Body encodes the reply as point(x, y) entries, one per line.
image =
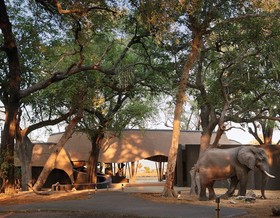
point(269, 175)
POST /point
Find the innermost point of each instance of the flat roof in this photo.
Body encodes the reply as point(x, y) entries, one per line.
point(132, 145)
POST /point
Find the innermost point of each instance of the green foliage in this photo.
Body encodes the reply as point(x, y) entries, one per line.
point(241, 50)
point(147, 169)
point(134, 115)
point(239, 68)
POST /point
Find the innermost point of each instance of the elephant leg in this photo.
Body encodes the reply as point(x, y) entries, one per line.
point(233, 183)
point(202, 194)
point(198, 186)
point(243, 186)
point(212, 194)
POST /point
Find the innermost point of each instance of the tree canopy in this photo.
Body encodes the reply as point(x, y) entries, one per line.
point(112, 55)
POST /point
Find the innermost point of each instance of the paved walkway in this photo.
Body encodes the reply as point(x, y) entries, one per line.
point(118, 203)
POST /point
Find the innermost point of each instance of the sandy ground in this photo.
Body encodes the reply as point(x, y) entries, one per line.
point(258, 208)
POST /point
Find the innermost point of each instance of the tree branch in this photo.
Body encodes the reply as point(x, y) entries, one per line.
point(255, 133)
point(246, 17)
point(80, 11)
point(47, 123)
point(59, 76)
point(51, 6)
point(220, 132)
point(135, 39)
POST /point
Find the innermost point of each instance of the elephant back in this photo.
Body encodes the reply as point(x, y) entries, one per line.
point(213, 155)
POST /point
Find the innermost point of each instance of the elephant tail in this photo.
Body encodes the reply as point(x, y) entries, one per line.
point(195, 180)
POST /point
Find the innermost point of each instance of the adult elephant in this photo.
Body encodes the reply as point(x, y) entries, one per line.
point(234, 164)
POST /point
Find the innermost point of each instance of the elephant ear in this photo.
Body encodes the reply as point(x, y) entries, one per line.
point(262, 155)
point(247, 157)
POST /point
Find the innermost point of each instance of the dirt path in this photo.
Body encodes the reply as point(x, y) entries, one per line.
point(259, 208)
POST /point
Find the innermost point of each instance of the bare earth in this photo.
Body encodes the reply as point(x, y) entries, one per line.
point(259, 208)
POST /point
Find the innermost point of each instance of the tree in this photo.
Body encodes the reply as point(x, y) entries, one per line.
point(50, 164)
point(132, 72)
point(113, 65)
point(234, 78)
point(201, 20)
point(266, 111)
point(14, 88)
point(199, 15)
point(11, 97)
point(177, 16)
point(48, 110)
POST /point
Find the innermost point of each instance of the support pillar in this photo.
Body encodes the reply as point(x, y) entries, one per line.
point(179, 166)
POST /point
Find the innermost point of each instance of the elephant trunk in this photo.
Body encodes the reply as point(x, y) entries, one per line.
point(265, 176)
point(264, 182)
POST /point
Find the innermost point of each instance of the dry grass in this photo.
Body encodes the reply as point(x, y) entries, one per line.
point(31, 197)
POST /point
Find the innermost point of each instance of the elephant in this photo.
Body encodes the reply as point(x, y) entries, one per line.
point(233, 164)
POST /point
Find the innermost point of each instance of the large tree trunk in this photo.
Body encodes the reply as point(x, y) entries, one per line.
point(219, 134)
point(267, 130)
point(24, 148)
point(205, 140)
point(180, 99)
point(7, 151)
point(96, 142)
point(12, 99)
point(50, 164)
point(206, 135)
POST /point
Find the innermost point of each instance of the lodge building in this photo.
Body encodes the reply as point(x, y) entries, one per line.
point(135, 145)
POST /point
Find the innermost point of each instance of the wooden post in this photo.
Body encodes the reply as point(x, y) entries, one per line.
point(126, 164)
point(133, 172)
point(160, 171)
point(114, 169)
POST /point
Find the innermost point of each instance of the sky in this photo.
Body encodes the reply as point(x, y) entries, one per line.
point(246, 138)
